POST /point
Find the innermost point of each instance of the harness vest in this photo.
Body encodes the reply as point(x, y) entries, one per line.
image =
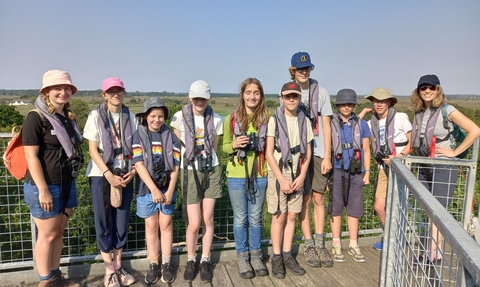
point(189, 127)
point(261, 135)
point(337, 126)
point(281, 133)
point(312, 112)
point(108, 152)
point(166, 143)
point(389, 133)
point(69, 144)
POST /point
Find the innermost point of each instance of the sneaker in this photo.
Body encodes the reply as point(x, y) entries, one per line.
point(325, 257)
point(111, 280)
point(311, 256)
point(153, 274)
point(59, 280)
point(356, 254)
point(206, 272)
point(378, 246)
point(244, 266)
point(256, 260)
point(190, 270)
point(167, 273)
point(337, 253)
point(291, 263)
point(427, 260)
point(124, 277)
point(278, 269)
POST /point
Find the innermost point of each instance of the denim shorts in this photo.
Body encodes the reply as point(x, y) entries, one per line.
point(146, 207)
point(31, 195)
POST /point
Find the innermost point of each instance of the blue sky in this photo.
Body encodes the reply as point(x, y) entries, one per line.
point(166, 45)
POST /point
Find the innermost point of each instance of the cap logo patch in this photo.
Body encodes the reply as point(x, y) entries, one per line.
point(303, 58)
point(292, 86)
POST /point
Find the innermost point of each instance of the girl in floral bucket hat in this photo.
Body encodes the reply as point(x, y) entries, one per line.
point(51, 142)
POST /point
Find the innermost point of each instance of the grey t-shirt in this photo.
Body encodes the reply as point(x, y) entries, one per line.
point(325, 109)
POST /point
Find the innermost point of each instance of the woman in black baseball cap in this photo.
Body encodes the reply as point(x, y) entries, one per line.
point(432, 137)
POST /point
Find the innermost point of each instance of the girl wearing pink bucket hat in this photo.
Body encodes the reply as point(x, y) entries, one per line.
point(51, 141)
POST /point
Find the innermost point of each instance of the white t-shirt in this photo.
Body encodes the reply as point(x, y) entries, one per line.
point(177, 123)
point(92, 132)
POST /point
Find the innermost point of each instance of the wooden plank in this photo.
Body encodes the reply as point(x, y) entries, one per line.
point(322, 277)
point(220, 276)
point(286, 282)
point(232, 269)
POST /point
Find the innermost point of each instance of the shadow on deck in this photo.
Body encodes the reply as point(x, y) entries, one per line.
point(349, 273)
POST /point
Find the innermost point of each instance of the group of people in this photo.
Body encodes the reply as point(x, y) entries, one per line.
point(288, 159)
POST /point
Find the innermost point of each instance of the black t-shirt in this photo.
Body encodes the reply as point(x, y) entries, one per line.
point(38, 131)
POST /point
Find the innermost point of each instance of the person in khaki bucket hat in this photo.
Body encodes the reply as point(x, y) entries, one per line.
point(391, 132)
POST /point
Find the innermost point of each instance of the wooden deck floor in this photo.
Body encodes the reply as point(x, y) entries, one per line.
point(226, 274)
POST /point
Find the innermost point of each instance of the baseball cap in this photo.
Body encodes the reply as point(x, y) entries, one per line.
point(112, 82)
point(428, 80)
point(199, 89)
point(301, 60)
point(291, 88)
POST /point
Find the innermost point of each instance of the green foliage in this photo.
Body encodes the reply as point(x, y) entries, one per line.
point(9, 118)
point(81, 109)
point(272, 104)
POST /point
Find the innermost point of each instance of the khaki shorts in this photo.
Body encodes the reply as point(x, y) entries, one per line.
point(319, 180)
point(292, 203)
point(382, 182)
point(213, 191)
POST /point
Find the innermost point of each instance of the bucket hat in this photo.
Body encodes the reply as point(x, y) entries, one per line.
point(112, 82)
point(57, 77)
point(153, 102)
point(199, 89)
point(381, 94)
point(301, 60)
point(346, 96)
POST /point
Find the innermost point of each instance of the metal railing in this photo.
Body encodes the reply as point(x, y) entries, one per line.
point(417, 221)
point(17, 230)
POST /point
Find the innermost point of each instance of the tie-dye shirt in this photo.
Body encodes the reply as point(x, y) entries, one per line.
point(157, 154)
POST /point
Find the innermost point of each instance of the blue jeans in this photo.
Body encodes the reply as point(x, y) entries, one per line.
point(247, 214)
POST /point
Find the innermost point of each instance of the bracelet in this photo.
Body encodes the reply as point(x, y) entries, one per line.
point(106, 172)
point(403, 154)
point(369, 170)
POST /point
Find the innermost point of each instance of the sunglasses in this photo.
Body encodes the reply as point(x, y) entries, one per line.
point(431, 88)
point(304, 70)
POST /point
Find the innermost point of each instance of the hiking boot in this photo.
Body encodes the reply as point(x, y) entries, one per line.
point(206, 272)
point(356, 254)
point(59, 280)
point(44, 283)
point(153, 274)
point(311, 256)
point(246, 270)
point(256, 260)
point(291, 263)
point(167, 273)
point(190, 270)
point(337, 254)
point(325, 258)
point(278, 269)
point(124, 278)
point(378, 246)
point(111, 280)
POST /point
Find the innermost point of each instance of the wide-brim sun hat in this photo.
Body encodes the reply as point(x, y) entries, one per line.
point(346, 96)
point(382, 94)
point(57, 77)
point(150, 103)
